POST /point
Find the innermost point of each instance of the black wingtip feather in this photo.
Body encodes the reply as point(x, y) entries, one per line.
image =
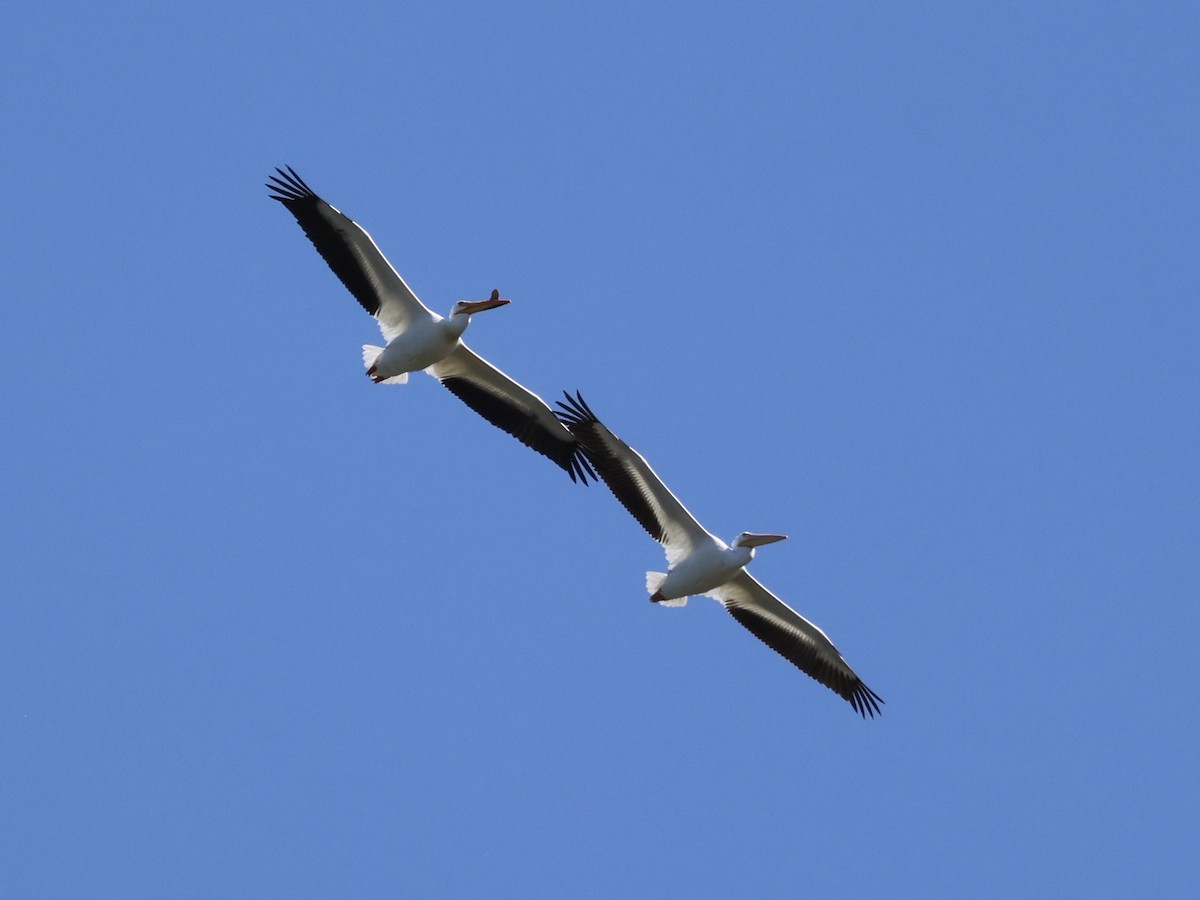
point(289, 187)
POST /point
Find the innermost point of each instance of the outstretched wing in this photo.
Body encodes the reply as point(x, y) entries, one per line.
point(511, 407)
point(633, 482)
point(351, 254)
point(796, 639)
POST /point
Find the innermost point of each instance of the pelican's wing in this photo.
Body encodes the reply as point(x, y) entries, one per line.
point(512, 408)
point(795, 638)
point(633, 482)
point(352, 255)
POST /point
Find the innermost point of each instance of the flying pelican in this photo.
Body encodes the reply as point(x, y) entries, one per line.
point(418, 338)
point(703, 565)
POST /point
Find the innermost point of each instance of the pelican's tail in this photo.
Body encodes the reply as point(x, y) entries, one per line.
point(370, 355)
point(654, 580)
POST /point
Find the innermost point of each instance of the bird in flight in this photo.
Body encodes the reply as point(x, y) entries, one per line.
point(418, 338)
point(701, 564)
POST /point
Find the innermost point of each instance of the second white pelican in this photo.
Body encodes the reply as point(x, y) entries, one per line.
point(418, 338)
point(701, 564)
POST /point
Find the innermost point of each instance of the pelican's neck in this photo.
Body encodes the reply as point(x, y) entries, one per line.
point(456, 324)
point(743, 555)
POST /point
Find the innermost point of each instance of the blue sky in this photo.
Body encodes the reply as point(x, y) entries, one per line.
point(916, 286)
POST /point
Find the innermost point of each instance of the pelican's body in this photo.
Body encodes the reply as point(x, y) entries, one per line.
point(419, 339)
point(423, 344)
point(700, 564)
point(709, 564)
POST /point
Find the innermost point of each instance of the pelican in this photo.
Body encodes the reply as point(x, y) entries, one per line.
point(418, 338)
point(700, 564)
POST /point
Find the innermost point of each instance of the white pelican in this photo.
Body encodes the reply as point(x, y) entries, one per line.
point(701, 564)
point(418, 338)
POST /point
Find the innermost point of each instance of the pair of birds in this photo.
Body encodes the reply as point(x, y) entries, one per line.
point(698, 563)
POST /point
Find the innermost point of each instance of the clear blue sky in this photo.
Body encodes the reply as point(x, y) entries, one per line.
point(918, 287)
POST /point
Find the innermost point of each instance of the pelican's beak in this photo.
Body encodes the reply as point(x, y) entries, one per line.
point(757, 540)
point(480, 305)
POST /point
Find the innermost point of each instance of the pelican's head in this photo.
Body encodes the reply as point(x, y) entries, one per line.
point(468, 307)
point(752, 540)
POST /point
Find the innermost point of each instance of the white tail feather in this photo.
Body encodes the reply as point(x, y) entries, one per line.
point(654, 580)
point(370, 355)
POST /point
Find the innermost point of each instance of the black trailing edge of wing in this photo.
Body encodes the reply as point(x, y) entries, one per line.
point(568, 454)
point(805, 657)
point(582, 422)
point(327, 228)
